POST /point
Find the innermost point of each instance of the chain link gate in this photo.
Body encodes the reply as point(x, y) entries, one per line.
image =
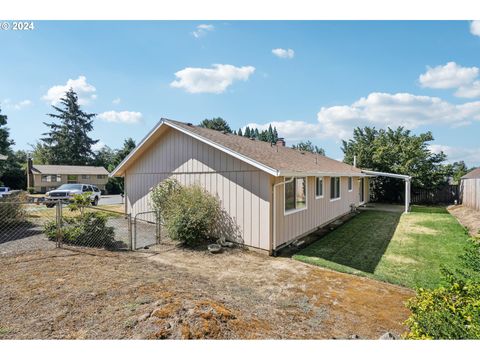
point(147, 230)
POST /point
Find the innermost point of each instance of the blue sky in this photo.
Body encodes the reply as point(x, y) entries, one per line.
point(313, 80)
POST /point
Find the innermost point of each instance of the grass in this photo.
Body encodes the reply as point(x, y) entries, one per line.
point(404, 249)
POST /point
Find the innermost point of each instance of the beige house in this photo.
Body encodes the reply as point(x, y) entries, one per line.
point(272, 194)
point(47, 177)
point(470, 189)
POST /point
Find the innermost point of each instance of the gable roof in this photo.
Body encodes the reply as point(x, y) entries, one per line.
point(273, 159)
point(474, 174)
point(69, 170)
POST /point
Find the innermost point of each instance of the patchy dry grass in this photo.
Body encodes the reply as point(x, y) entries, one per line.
point(185, 294)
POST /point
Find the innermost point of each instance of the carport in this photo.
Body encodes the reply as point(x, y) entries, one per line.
point(406, 178)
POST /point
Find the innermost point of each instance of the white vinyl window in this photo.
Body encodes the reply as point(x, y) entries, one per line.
point(85, 177)
point(296, 195)
point(319, 187)
point(350, 184)
point(51, 178)
point(334, 188)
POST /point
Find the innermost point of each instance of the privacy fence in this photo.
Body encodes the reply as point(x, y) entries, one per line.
point(470, 193)
point(25, 226)
point(444, 195)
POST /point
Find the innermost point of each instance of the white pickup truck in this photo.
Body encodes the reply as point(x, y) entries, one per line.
point(65, 192)
point(4, 190)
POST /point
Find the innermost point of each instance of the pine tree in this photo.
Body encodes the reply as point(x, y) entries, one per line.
point(270, 134)
point(247, 133)
point(240, 133)
point(275, 135)
point(256, 134)
point(216, 124)
point(68, 142)
point(11, 172)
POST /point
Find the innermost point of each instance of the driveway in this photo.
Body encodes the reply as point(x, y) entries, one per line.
point(110, 200)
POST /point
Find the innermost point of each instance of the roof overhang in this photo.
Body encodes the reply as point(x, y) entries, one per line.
point(371, 173)
point(319, 173)
point(155, 134)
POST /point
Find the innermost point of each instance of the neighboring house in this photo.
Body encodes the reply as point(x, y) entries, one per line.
point(470, 189)
point(272, 194)
point(47, 177)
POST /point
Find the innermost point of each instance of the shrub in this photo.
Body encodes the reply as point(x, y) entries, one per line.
point(88, 229)
point(12, 209)
point(451, 311)
point(162, 194)
point(191, 215)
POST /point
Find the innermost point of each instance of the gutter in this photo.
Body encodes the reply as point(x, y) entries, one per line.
point(274, 236)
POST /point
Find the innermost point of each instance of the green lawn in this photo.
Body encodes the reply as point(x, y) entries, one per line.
point(405, 249)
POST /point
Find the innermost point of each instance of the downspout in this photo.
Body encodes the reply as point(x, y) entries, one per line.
point(275, 212)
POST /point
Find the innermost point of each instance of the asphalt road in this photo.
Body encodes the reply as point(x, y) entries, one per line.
point(110, 200)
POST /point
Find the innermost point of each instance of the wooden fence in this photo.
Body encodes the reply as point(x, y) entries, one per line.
point(442, 195)
point(470, 193)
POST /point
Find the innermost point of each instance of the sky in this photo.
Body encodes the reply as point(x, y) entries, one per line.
point(313, 80)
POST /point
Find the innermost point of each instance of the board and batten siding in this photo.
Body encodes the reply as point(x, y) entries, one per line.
point(471, 193)
point(319, 211)
point(244, 191)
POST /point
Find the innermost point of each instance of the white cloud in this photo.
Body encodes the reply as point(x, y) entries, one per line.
point(283, 53)
point(116, 101)
point(210, 80)
point(448, 76)
point(475, 27)
point(471, 156)
point(380, 110)
point(84, 90)
point(125, 117)
point(17, 106)
point(469, 91)
point(202, 30)
point(98, 146)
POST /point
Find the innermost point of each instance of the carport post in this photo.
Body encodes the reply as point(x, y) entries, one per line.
point(407, 195)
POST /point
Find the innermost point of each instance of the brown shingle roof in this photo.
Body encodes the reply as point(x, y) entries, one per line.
point(281, 158)
point(474, 174)
point(69, 170)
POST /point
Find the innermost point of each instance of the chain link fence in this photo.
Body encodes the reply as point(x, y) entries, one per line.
point(26, 226)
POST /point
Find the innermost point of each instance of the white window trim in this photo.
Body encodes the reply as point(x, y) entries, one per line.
point(293, 211)
point(339, 188)
point(348, 181)
point(323, 187)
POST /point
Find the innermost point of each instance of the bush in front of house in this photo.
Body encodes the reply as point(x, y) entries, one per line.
point(87, 229)
point(191, 216)
point(451, 311)
point(12, 209)
point(162, 195)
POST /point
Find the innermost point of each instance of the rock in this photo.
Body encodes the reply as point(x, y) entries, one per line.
point(354, 337)
point(387, 336)
point(143, 317)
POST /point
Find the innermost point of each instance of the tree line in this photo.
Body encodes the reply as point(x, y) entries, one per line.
point(68, 142)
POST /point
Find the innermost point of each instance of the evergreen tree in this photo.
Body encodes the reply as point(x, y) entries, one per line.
point(216, 124)
point(68, 142)
point(256, 134)
point(275, 135)
point(247, 133)
point(270, 135)
point(309, 147)
point(12, 173)
point(240, 133)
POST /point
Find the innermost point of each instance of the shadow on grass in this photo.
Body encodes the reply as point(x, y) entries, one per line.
point(359, 244)
point(429, 209)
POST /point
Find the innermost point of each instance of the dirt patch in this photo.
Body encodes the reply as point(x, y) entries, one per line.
point(185, 294)
point(467, 217)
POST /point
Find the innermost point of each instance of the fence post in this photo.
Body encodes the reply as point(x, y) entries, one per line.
point(130, 238)
point(58, 209)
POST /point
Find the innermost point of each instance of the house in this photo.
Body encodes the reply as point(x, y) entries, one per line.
point(470, 189)
point(47, 177)
point(273, 194)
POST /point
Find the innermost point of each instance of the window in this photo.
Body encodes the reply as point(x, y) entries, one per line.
point(86, 177)
point(296, 194)
point(51, 178)
point(350, 184)
point(72, 179)
point(319, 187)
point(101, 176)
point(334, 188)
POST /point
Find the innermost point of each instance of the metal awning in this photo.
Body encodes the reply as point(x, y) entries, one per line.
point(406, 178)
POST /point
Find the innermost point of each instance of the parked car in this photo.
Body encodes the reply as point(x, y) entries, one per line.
point(66, 192)
point(4, 190)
